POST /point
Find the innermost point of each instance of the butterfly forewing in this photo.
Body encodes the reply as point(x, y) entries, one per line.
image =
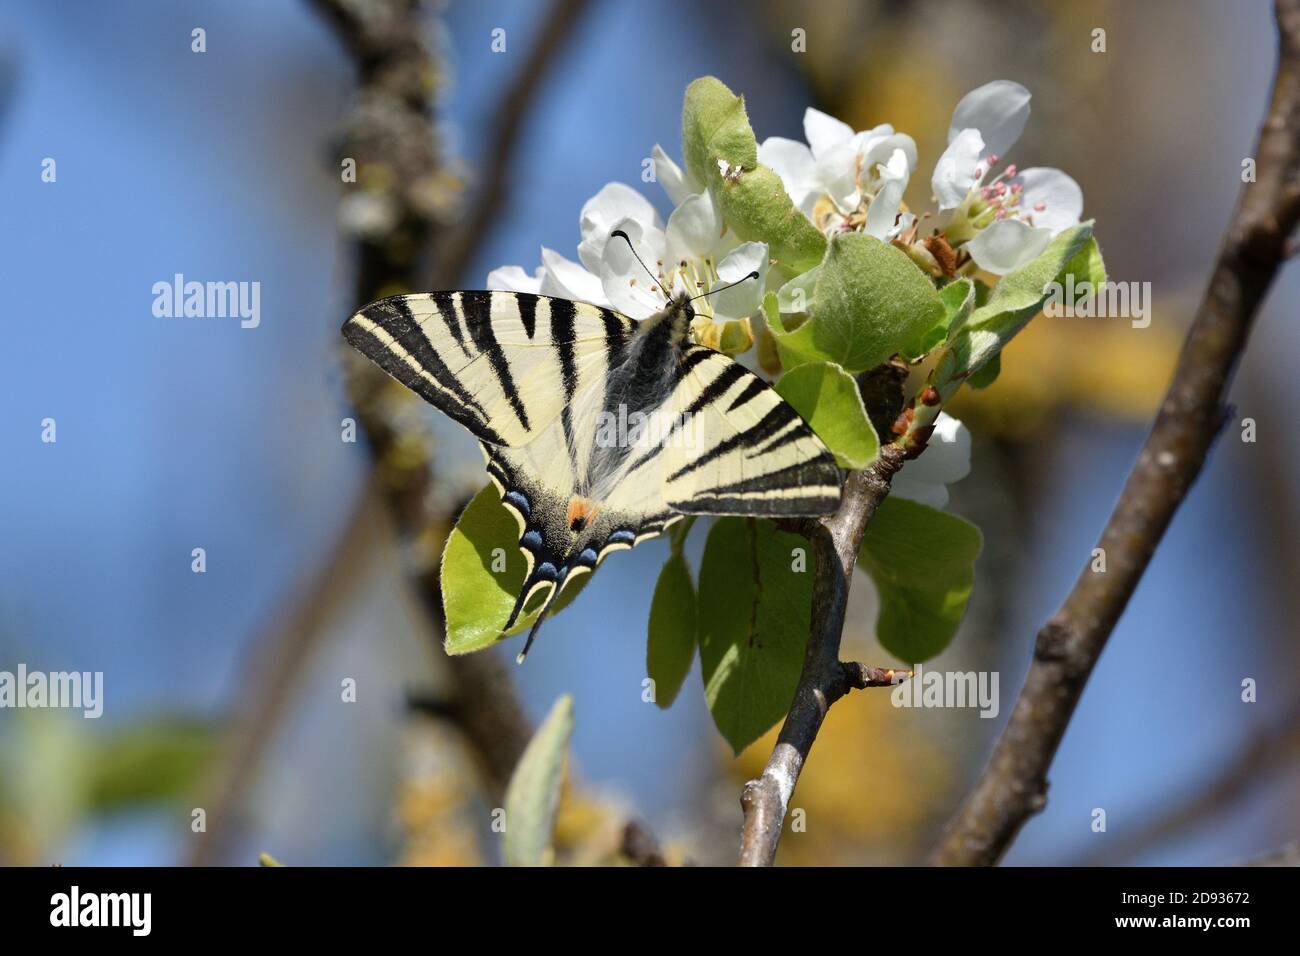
point(503, 364)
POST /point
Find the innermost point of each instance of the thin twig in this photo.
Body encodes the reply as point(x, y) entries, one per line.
point(640, 846)
point(1014, 784)
point(825, 678)
point(513, 109)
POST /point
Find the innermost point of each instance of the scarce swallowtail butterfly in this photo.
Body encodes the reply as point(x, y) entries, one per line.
point(548, 387)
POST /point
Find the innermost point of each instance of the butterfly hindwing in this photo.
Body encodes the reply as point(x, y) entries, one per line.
point(749, 452)
point(563, 534)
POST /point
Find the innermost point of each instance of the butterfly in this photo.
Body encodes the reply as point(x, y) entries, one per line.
point(599, 431)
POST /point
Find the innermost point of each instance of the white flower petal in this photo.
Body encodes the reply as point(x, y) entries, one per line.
point(926, 492)
point(1060, 196)
point(1006, 245)
point(879, 149)
point(946, 460)
point(837, 170)
point(793, 162)
point(627, 286)
point(999, 110)
point(694, 228)
point(514, 279)
point(947, 453)
point(746, 298)
point(566, 279)
point(603, 211)
point(861, 139)
point(676, 182)
point(824, 131)
point(882, 214)
point(954, 173)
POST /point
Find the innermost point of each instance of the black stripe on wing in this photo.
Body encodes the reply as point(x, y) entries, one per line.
point(394, 318)
point(447, 311)
point(477, 310)
point(778, 417)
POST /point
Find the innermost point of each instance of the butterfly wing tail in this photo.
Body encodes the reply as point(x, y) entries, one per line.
point(537, 625)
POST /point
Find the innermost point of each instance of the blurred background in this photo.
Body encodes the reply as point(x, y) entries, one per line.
point(222, 689)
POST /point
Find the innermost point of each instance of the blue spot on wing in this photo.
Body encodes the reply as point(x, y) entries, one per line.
point(519, 502)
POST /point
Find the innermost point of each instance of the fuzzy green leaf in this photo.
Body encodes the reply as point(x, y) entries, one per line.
point(922, 561)
point(1016, 299)
point(533, 795)
point(986, 374)
point(754, 611)
point(715, 126)
point(720, 150)
point(870, 302)
point(756, 206)
point(671, 645)
point(1087, 265)
point(828, 399)
point(477, 599)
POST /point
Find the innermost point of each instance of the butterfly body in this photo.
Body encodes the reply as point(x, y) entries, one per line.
point(599, 431)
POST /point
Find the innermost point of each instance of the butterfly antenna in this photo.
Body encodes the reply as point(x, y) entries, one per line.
point(624, 236)
point(537, 625)
point(729, 285)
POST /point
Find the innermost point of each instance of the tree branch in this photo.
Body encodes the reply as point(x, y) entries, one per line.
point(825, 678)
point(392, 137)
point(457, 249)
point(1014, 784)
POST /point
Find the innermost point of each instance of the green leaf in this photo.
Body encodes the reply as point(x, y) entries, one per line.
point(986, 374)
point(756, 206)
point(1086, 266)
point(958, 300)
point(155, 759)
point(1016, 299)
point(1019, 295)
point(671, 645)
point(922, 561)
point(533, 795)
point(715, 126)
point(871, 301)
point(476, 599)
point(754, 611)
point(753, 200)
point(265, 859)
point(791, 333)
point(828, 399)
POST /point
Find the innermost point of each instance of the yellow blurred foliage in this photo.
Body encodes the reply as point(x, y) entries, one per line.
point(1103, 366)
point(870, 785)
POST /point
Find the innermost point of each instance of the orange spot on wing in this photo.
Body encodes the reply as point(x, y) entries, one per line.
point(581, 511)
